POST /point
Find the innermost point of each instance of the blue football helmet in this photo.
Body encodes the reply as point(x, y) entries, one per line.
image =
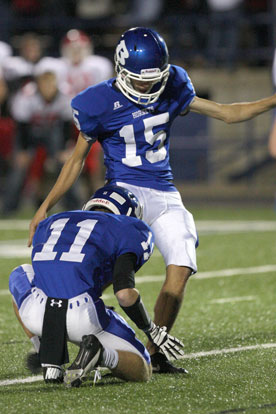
point(142, 55)
point(118, 200)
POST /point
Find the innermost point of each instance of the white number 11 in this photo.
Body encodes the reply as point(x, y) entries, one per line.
point(74, 254)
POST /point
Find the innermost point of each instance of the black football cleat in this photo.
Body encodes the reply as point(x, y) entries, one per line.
point(161, 365)
point(53, 374)
point(88, 358)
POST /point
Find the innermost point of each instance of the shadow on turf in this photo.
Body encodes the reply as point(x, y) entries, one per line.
point(245, 409)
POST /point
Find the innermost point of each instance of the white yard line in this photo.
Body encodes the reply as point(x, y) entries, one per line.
point(194, 355)
point(18, 248)
point(21, 380)
point(214, 273)
point(233, 300)
point(235, 272)
point(14, 224)
point(11, 250)
point(202, 225)
point(234, 226)
point(228, 350)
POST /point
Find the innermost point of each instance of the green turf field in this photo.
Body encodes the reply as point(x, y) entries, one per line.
point(227, 323)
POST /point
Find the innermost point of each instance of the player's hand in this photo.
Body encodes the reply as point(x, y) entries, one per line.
point(39, 216)
point(170, 346)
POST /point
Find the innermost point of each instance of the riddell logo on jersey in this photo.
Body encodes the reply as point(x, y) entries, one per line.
point(117, 105)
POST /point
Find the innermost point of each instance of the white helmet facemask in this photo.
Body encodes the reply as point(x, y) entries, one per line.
point(153, 76)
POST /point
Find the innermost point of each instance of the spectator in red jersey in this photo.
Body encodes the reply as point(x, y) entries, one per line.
point(6, 129)
point(43, 120)
point(6, 123)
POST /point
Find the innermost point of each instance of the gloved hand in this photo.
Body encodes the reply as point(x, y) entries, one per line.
point(167, 344)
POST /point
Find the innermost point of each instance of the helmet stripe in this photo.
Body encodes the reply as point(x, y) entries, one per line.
point(121, 200)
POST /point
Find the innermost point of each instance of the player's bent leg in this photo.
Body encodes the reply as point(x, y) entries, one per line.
point(123, 364)
point(133, 358)
point(32, 359)
point(120, 336)
point(132, 367)
point(89, 357)
point(25, 329)
point(20, 288)
point(115, 347)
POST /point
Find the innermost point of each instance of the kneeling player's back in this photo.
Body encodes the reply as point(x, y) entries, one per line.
point(75, 251)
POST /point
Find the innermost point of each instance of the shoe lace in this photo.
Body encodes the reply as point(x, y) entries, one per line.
point(97, 376)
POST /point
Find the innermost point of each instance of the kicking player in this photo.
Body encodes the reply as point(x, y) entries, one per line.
point(75, 255)
point(131, 115)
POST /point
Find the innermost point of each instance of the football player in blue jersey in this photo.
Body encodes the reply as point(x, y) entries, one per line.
point(131, 115)
point(75, 255)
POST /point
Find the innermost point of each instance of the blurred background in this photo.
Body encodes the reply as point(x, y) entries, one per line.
point(50, 51)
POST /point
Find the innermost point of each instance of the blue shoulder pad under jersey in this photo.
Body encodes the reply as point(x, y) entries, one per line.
point(75, 251)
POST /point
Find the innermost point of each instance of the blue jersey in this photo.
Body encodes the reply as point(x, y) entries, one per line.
point(75, 251)
point(135, 138)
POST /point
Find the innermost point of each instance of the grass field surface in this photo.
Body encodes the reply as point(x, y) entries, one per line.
point(227, 323)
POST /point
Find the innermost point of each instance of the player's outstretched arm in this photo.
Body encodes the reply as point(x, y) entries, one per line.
point(235, 112)
point(66, 178)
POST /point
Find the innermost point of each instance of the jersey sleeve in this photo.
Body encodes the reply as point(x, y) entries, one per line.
point(183, 86)
point(136, 237)
point(85, 121)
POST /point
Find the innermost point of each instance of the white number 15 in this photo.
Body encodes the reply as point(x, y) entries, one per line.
point(127, 132)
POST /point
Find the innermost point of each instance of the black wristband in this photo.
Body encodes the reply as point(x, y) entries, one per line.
point(138, 314)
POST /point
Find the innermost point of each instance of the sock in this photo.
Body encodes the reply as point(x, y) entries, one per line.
point(110, 358)
point(36, 342)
